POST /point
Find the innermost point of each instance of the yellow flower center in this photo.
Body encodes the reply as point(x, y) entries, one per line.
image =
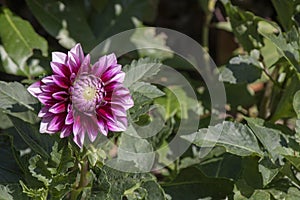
point(89, 93)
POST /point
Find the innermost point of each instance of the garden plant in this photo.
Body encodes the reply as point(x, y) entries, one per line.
point(149, 99)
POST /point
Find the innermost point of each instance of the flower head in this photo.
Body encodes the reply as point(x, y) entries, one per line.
point(79, 98)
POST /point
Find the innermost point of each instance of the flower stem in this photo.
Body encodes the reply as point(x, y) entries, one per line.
point(83, 174)
point(83, 182)
point(206, 27)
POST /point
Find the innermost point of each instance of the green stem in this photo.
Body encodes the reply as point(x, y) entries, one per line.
point(266, 101)
point(205, 34)
point(205, 30)
point(83, 182)
point(205, 38)
point(270, 76)
point(83, 174)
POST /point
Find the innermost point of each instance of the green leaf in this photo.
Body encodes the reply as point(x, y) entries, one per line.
point(12, 192)
point(250, 177)
point(119, 15)
point(284, 107)
point(9, 169)
point(71, 22)
point(146, 89)
point(150, 44)
point(5, 193)
point(16, 101)
point(66, 21)
point(15, 93)
point(226, 26)
point(176, 102)
point(141, 106)
point(246, 69)
point(293, 194)
point(21, 113)
point(278, 193)
point(239, 95)
point(273, 140)
point(140, 70)
point(62, 158)
point(43, 175)
point(244, 26)
point(19, 39)
point(39, 194)
point(226, 75)
point(237, 138)
point(296, 103)
point(9, 66)
point(5, 122)
point(154, 190)
point(288, 49)
point(133, 147)
point(115, 184)
point(260, 194)
point(55, 175)
point(285, 12)
point(268, 170)
point(228, 166)
point(269, 53)
point(294, 160)
point(39, 143)
point(193, 184)
point(257, 195)
point(95, 155)
point(32, 68)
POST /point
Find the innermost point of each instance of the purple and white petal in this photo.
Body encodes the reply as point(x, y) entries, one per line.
point(59, 57)
point(35, 88)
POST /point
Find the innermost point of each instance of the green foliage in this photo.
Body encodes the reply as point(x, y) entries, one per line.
point(5, 193)
point(32, 137)
point(193, 184)
point(244, 26)
point(148, 38)
point(287, 44)
point(19, 40)
point(54, 176)
point(17, 102)
point(246, 68)
point(113, 184)
point(253, 154)
point(286, 11)
point(140, 70)
point(15, 93)
point(235, 138)
point(61, 19)
point(9, 170)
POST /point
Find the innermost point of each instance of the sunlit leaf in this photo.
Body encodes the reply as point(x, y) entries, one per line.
point(19, 40)
point(141, 69)
point(151, 44)
point(114, 184)
point(237, 138)
point(244, 26)
point(65, 21)
point(246, 68)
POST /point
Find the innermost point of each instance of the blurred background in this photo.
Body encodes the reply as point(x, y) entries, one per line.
point(186, 16)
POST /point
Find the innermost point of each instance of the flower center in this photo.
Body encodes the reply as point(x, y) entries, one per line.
point(87, 93)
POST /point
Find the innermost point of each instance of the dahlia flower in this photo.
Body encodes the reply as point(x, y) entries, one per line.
point(79, 98)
